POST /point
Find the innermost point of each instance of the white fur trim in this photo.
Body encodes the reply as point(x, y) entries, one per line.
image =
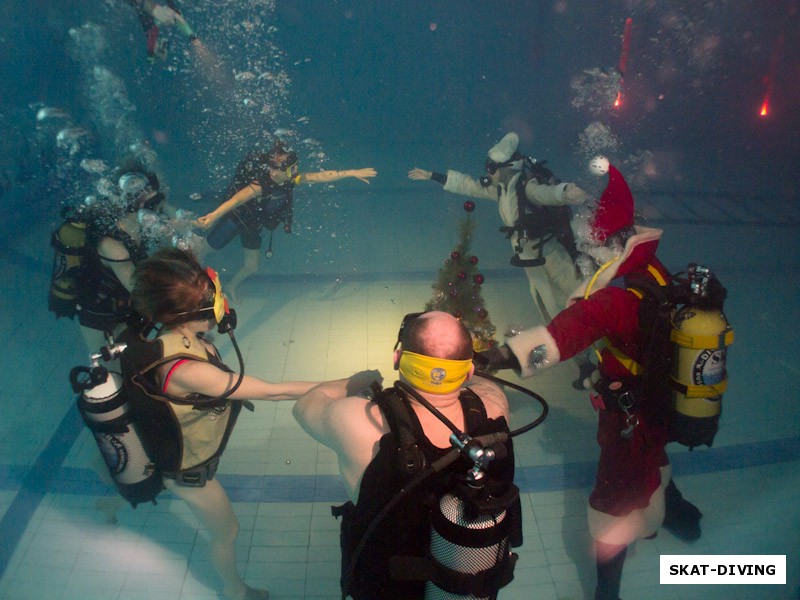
point(637, 524)
point(503, 150)
point(526, 342)
point(643, 234)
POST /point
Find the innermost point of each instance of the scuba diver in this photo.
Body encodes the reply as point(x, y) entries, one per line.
point(394, 442)
point(95, 252)
point(151, 15)
point(185, 399)
point(534, 208)
point(115, 246)
point(261, 196)
point(633, 487)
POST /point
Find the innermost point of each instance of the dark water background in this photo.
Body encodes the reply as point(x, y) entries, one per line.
point(395, 85)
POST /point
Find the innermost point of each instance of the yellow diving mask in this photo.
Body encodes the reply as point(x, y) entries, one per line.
point(214, 301)
point(220, 303)
point(434, 375)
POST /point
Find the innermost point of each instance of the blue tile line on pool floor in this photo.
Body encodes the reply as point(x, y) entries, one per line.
point(47, 475)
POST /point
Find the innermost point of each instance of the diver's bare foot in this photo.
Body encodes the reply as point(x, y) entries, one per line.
point(109, 505)
point(251, 594)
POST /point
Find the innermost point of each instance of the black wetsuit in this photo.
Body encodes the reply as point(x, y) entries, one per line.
point(272, 207)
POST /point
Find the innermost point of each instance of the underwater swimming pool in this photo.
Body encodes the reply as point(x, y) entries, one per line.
point(396, 88)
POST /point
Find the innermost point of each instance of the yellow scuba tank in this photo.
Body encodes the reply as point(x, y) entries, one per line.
point(69, 245)
point(701, 335)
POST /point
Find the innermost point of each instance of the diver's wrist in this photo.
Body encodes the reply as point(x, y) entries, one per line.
point(438, 177)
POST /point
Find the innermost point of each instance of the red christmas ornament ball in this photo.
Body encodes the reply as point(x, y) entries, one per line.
point(461, 275)
point(478, 279)
point(473, 260)
point(469, 206)
point(455, 255)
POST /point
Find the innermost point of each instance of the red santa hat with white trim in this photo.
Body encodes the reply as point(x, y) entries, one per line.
point(615, 208)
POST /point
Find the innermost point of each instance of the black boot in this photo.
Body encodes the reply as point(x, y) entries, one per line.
point(681, 517)
point(609, 572)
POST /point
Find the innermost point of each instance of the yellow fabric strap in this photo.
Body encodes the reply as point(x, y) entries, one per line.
point(589, 291)
point(434, 375)
point(634, 367)
point(700, 391)
point(656, 275)
point(596, 275)
point(684, 340)
point(699, 407)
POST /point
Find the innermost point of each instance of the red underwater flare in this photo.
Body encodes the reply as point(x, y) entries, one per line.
point(626, 47)
point(770, 78)
point(623, 59)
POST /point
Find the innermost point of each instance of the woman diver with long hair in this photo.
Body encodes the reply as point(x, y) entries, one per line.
point(187, 399)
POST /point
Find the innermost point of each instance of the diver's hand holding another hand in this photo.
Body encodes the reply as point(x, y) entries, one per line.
point(363, 174)
point(359, 384)
point(419, 174)
point(205, 221)
point(574, 194)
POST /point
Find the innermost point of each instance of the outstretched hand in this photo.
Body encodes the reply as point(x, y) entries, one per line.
point(164, 15)
point(419, 174)
point(364, 174)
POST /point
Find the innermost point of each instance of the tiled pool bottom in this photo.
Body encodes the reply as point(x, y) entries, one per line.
point(56, 544)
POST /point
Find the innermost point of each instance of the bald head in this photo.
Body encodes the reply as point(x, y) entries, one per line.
point(439, 335)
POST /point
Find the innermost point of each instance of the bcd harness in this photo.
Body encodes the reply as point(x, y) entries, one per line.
point(80, 284)
point(186, 435)
point(144, 433)
point(535, 223)
point(443, 476)
point(276, 203)
point(685, 336)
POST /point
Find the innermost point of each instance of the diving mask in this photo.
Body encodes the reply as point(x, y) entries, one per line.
point(434, 375)
point(427, 373)
point(215, 302)
point(219, 303)
point(492, 168)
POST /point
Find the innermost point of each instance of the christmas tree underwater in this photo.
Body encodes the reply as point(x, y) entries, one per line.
point(457, 289)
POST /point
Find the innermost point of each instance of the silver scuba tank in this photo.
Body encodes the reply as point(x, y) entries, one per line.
point(460, 543)
point(106, 411)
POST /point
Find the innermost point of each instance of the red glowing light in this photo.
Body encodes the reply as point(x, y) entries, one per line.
point(623, 59)
point(769, 80)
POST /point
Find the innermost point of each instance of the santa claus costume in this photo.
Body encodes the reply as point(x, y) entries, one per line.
point(627, 502)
